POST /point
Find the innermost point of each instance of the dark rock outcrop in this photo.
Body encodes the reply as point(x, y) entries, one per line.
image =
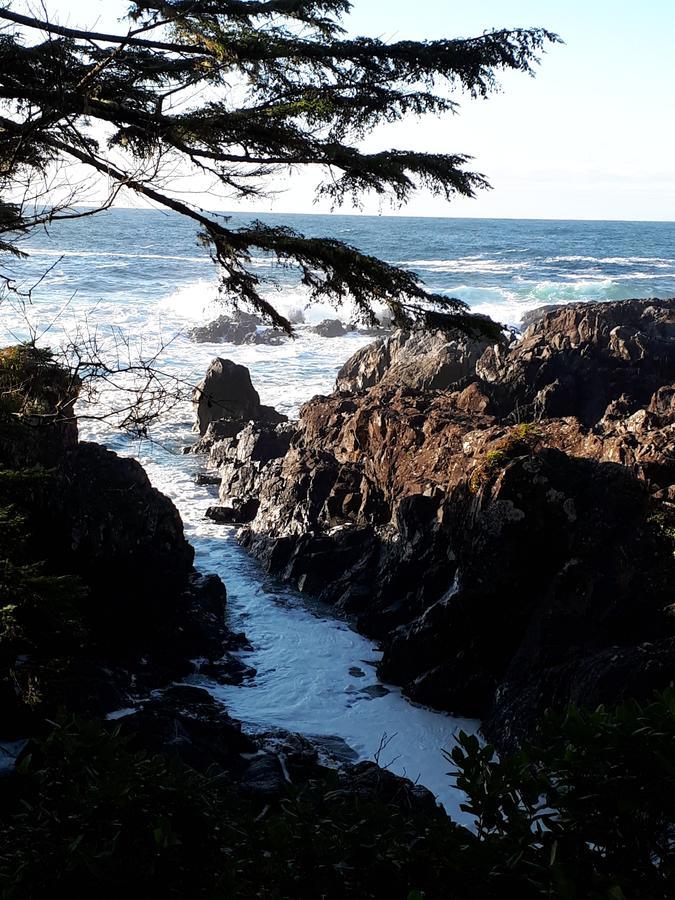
point(226, 392)
point(493, 560)
point(238, 328)
point(273, 337)
point(557, 558)
point(239, 513)
point(186, 723)
point(330, 328)
point(232, 329)
point(129, 611)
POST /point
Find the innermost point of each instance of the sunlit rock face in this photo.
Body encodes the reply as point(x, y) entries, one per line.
point(415, 359)
point(576, 360)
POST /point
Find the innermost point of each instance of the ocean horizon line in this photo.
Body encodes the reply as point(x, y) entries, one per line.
point(397, 216)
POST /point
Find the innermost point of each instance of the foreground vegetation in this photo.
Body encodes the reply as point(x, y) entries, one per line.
point(584, 812)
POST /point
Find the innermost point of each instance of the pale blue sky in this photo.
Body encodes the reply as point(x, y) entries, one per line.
point(591, 136)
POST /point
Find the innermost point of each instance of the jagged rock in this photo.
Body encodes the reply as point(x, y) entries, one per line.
point(257, 442)
point(534, 315)
point(416, 359)
point(218, 430)
point(227, 393)
point(330, 328)
point(469, 545)
point(206, 478)
point(575, 564)
point(577, 359)
point(228, 670)
point(273, 337)
point(240, 462)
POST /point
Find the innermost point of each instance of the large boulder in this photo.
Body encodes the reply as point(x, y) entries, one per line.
point(330, 328)
point(416, 359)
point(226, 392)
point(98, 517)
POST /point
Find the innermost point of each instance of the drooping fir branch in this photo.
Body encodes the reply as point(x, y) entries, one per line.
point(242, 90)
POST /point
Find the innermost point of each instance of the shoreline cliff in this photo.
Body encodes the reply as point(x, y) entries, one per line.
point(499, 517)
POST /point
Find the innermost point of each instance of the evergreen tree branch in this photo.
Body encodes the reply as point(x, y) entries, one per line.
point(240, 89)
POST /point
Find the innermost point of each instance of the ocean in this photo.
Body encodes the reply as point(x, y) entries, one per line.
point(131, 282)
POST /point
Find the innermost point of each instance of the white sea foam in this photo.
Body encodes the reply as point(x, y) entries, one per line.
point(467, 264)
point(653, 261)
point(303, 656)
point(195, 301)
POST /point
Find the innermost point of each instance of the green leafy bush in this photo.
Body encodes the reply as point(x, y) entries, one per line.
point(88, 815)
point(587, 809)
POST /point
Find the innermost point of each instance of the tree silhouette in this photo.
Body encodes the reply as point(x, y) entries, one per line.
point(242, 91)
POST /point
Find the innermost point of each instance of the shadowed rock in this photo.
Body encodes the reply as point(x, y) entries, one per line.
point(330, 328)
point(226, 392)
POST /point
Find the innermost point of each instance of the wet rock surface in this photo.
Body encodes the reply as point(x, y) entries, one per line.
point(238, 328)
point(330, 328)
point(506, 535)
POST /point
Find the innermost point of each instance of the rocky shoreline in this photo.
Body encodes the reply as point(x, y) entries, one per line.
point(499, 517)
point(126, 618)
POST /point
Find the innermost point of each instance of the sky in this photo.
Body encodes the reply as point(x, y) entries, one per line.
point(590, 137)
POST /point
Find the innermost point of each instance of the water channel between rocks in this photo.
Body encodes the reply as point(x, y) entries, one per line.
point(315, 674)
